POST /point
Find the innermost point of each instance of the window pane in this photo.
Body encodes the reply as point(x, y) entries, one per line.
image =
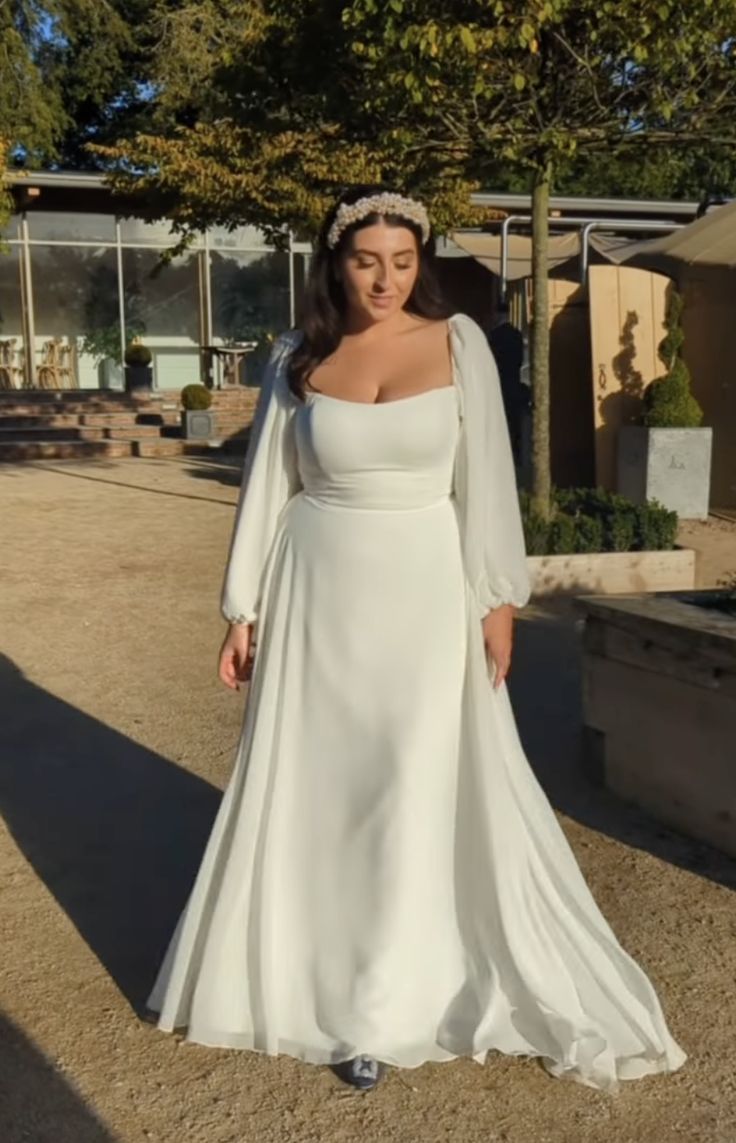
point(250, 302)
point(158, 233)
point(244, 237)
point(162, 307)
point(61, 225)
point(11, 230)
point(76, 317)
point(11, 322)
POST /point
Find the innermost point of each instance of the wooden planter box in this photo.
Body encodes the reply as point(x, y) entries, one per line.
point(612, 572)
point(659, 680)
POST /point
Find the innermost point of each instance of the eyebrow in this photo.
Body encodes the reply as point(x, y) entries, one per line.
point(373, 254)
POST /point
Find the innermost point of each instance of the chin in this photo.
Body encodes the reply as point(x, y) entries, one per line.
point(380, 313)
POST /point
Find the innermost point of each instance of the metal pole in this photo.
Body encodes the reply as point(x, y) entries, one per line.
point(505, 226)
point(27, 303)
point(524, 221)
point(121, 292)
point(634, 225)
point(292, 300)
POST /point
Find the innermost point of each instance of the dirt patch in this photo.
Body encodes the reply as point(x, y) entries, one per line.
point(714, 540)
point(117, 740)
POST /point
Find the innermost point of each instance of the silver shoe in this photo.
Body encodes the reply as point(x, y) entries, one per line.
point(362, 1072)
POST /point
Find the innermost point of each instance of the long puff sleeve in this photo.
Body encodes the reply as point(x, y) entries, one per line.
point(487, 502)
point(270, 479)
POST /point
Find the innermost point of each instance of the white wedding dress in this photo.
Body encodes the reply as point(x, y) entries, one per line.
point(385, 875)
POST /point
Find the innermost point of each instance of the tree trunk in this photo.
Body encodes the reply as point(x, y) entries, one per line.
point(542, 477)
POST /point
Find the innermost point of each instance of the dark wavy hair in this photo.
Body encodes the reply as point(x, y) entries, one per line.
point(324, 309)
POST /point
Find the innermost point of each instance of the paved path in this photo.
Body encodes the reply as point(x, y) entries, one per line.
point(115, 740)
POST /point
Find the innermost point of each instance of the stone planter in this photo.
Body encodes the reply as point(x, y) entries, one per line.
point(612, 572)
point(110, 375)
point(138, 379)
point(198, 425)
point(659, 679)
point(668, 465)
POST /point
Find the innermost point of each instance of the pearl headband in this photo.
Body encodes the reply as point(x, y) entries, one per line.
point(386, 203)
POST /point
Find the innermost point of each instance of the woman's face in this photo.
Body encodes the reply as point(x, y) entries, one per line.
point(378, 269)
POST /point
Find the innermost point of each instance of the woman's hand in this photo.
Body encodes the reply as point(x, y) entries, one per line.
point(236, 660)
point(498, 636)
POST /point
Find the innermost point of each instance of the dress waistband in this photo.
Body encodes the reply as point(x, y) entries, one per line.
point(334, 502)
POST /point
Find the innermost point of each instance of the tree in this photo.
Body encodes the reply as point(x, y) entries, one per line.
point(72, 71)
point(544, 84)
point(258, 118)
point(265, 109)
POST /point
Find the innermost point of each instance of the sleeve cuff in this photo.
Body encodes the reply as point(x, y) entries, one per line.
point(239, 617)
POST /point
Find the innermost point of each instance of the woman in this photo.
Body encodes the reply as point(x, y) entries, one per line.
point(385, 882)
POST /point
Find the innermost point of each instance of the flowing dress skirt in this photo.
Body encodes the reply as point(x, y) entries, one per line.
point(385, 876)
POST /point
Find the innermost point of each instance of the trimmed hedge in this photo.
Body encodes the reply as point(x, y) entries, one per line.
point(195, 397)
point(668, 402)
point(592, 520)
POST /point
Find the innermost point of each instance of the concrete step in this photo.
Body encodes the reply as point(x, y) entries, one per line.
point(49, 433)
point(110, 420)
point(39, 420)
point(75, 408)
point(14, 451)
point(131, 432)
point(169, 446)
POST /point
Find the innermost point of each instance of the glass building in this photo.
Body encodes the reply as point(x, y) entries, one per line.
point(79, 279)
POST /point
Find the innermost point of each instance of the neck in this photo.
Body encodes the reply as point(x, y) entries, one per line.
point(360, 324)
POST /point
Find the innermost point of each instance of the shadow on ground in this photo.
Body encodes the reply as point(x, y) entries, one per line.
point(546, 692)
point(113, 829)
point(36, 1104)
point(227, 470)
point(117, 831)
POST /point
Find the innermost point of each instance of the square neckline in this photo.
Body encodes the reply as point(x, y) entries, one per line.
point(452, 386)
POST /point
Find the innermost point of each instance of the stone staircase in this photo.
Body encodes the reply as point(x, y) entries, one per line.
point(98, 424)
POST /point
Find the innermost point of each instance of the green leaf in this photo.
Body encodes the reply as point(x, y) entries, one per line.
point(467, 39)
point(519, 81)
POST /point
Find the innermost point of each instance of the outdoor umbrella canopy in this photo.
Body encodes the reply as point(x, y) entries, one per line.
point(708, 242)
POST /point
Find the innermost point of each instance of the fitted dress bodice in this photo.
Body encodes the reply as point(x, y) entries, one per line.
point(396, 455)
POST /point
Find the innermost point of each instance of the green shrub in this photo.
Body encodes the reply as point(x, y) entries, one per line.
point(562, 540)
point(138, 354)
point(593, 520)
point(588, 534)
point(656, 528)
point(668, 402)
point(195, 397)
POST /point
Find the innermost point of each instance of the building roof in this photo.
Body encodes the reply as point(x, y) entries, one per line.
point(508, 203)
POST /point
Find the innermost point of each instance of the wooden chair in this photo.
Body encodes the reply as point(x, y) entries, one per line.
point(57, 368)
point(11, 369)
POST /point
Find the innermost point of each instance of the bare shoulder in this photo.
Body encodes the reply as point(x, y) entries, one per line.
point(427, 331)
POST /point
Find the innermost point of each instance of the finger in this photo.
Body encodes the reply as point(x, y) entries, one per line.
point(226, 672)
point(502, 670)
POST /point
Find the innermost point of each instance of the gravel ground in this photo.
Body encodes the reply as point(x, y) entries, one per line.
point(116, 741)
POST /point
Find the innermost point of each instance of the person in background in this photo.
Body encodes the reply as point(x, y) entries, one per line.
point(507, 346)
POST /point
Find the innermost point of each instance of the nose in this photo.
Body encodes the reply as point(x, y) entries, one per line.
point(382, 279)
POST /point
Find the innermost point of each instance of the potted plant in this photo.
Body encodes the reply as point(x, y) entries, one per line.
point(197, 421)
point(667, 457)
point(104, 346)
point(138, 372)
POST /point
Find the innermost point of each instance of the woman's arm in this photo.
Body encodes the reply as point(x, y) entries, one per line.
point(270, 479)
point(486, 496)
